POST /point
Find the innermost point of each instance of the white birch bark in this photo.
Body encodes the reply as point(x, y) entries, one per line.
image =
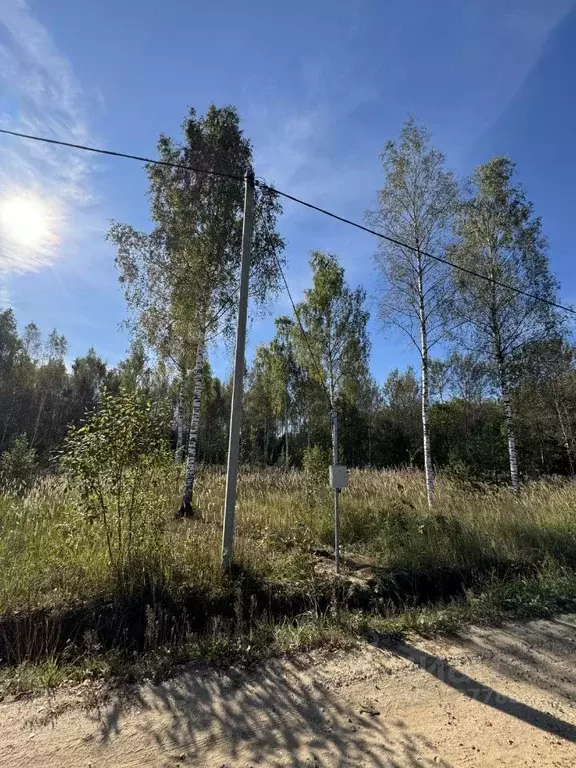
point(286, 450)
point(511, 436)
point(428, 469)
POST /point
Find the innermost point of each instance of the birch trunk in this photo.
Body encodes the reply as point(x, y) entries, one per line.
point(502, 372)
point(511, 435)
point(186, 506)
point(428, 469)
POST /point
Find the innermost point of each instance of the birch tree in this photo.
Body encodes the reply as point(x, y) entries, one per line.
point(499, 237)
point(181, 280)
point(552, 373)
point(283, 377)
point(334, 350)
point(415, 206)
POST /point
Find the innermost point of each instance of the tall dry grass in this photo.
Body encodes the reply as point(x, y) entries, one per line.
point(52, 554)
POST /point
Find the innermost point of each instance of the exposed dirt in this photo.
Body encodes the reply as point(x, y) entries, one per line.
point(488, 698)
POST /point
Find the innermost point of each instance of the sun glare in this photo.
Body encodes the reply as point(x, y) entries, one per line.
point(25, 220)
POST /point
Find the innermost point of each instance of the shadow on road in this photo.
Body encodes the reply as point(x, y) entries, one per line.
point(476, 690)
point(543, 651)
point(278, 715)
point(291, 713)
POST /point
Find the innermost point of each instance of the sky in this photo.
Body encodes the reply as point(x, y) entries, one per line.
point(320, 87)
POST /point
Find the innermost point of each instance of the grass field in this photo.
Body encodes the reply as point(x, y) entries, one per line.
point(53, 557)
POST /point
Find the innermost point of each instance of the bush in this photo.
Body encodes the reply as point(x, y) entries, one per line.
point(18, 466)
point(315, 463)
point(119, 460)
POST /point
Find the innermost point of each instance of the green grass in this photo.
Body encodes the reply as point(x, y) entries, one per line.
point(550, 593)
point(519, 554)
point(52, 555)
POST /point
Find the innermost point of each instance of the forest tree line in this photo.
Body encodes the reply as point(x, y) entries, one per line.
point(286, 414)
point(500, 403)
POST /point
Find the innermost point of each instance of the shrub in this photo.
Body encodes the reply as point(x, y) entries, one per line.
point(315, 463)
point(119, 461)
point(18, 466)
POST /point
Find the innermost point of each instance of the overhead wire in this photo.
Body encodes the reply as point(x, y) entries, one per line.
point(124, 155)
point(414, 249)
point(299, 201)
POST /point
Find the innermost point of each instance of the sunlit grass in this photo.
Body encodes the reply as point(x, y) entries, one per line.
point(52, 555)
point(518, 555)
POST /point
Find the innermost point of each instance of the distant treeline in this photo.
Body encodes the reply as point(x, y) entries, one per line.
point(286, 411)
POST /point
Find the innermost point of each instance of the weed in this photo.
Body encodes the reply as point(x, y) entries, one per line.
point(501, 554)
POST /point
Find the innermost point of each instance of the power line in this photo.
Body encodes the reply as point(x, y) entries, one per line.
point(303, 332)
point(304, 203)
point(111, 153)
point(415, 250)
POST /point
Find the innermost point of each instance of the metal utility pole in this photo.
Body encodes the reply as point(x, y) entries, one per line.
point(238, 382)
point(336, 491)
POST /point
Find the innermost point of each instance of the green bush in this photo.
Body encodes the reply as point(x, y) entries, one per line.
point(119, 461)
point(18, 466)
point(315, 463)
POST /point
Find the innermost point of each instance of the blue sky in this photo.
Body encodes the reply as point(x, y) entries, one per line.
point(320, 87)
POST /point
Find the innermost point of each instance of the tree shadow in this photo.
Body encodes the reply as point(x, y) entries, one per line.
point(537, 651)
point(278, 714)
point(474, 689)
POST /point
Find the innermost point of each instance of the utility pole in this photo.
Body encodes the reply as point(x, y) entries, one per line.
point(238, 382)
point(336, 491)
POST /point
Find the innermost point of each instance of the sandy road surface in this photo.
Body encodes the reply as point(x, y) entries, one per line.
point(489, 698)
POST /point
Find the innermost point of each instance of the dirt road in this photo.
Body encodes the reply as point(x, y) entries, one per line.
point(489, 698)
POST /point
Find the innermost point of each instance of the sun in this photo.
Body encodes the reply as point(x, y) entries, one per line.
point(26, 220)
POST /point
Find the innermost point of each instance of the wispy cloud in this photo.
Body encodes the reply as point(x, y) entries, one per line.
point(295, 155)
point(40, 96)
point(290, 144)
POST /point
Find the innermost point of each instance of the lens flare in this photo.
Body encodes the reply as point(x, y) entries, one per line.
point(25, 220)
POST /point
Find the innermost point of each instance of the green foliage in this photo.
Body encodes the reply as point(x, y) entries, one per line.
point(315, 463)
point(516, 557)
point(180, 278)
point(39, 396)
point(415, 205)
point(401, 393)
point(500, 237)
point(468, 439)
point(214, 419)
point(335, 350)
point(18, 466)
point(117, 460)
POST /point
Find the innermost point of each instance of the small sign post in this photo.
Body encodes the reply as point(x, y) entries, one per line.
point(338, 476)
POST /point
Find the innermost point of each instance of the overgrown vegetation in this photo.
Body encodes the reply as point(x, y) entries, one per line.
point(54, 553)
point(18, 466)
point(100, 576)
point(119, 464)
point(481, 553)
